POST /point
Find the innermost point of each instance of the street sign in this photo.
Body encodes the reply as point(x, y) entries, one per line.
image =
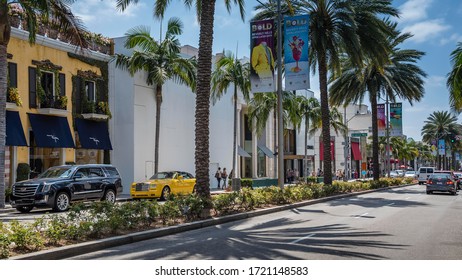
point(359, 135)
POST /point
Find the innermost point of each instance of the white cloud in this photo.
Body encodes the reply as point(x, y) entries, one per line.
point(426, 30)
point(103, 11)
point(456, 37)
point(414, 10)
point(435, 81)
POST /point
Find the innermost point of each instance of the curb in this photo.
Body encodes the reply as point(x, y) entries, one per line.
point(95, 245)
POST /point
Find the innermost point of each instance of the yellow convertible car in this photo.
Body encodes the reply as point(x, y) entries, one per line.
point(162, 184)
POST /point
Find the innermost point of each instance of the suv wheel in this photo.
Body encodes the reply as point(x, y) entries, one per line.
point(110, 196)
point(25, 209)
point(62, 202)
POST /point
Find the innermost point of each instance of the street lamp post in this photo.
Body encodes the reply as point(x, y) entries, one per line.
point(279, 85)
point(346, 150)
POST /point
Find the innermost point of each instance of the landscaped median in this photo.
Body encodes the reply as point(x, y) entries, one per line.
point(122, 223)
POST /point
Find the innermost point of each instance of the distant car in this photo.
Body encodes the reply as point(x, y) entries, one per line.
point(162, 184)
point(394, 174)
point(59, 186)
point(423, 174)
point(410, 174)
point(441, 182)
point(400, 172)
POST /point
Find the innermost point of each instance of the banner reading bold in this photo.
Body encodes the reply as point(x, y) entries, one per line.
point(297, 70)
point(396, 119)
point(262, 59)
point(381, 119)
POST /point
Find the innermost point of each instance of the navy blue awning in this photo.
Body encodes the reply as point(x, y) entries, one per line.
point(93, 134)
point(14, 130)
point(51, 131)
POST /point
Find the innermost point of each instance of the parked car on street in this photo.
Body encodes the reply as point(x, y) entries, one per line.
point(441, 182)
point(394, 174)
point(162, 184)
point(59, 186)
point(410, 174)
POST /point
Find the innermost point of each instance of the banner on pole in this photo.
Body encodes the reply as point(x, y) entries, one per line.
point(396, 119)
point(441, 147)
point(297, 70)
point(381, 119)
point(262, 58)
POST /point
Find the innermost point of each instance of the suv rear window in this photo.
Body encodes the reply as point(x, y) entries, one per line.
point(112, 171)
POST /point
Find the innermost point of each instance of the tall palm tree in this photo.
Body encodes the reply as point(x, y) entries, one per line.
point(338, 27)
point(399, 76)
point(308, 110)
point(454, 82)
point(440, 125)
point(205, 11)
point(229, 70)
point(48, 11)
point(162, 61)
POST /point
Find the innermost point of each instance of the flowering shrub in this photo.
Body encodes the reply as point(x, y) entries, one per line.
point(14, 97)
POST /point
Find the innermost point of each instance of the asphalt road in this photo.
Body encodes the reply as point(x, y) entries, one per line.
point(396, 224)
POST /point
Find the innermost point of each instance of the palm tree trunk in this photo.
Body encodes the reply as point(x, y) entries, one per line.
point(305, 173)
point(234, 137)
point(204, 70)
point(325, 120)
point(375, 137)
point(5, 31)
point(157, 136)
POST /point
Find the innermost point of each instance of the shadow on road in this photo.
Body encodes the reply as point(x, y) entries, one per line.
point(275, 239)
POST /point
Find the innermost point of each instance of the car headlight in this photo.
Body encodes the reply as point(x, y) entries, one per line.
point(152, 186)
point(46, 187)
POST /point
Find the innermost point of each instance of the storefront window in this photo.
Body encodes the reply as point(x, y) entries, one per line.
point(261, 164)
point(87, 156)
point(43, 158)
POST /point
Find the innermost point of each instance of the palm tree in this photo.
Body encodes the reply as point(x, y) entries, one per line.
point(205, 13)
point(440, 125)
point(162, 61)
point(56, 12)
point(229, 70)
point(339, 27)
point(309, 110)
point(399, 77)
point(454, 82)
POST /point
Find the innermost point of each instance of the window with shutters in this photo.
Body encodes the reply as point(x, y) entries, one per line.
point(90, 91)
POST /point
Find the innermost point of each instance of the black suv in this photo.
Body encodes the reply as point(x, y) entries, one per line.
point(58, 186)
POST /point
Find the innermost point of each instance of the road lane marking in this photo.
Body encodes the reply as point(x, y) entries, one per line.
point(407, 198)
point(302, 238)
point(390, 204)
point(362, 215)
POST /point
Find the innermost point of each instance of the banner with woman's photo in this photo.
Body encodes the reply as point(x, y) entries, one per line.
point(297, 70)
point(262, 58)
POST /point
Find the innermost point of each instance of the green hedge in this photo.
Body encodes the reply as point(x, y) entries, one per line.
point(103, 219)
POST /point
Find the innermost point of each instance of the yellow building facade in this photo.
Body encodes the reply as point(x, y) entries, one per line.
point(58, 93)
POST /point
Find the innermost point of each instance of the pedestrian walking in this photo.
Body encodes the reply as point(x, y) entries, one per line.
point(218, 176)
point(224, 176)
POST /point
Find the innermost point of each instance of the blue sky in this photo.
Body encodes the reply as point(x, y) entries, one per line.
point(434, 23)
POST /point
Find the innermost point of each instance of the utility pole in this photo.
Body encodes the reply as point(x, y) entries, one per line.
point(387, 133)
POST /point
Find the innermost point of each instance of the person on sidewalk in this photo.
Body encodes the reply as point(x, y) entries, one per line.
point(218, 176)
point(224, 176)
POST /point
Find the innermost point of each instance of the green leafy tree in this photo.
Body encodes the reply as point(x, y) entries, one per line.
point(229, 70)
point(162, 62)
point(56, 12)
point(440, 125)
point(309, 111)
point(205, 11)
point(454, 82)
point(398, 76)
point(337, 28)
